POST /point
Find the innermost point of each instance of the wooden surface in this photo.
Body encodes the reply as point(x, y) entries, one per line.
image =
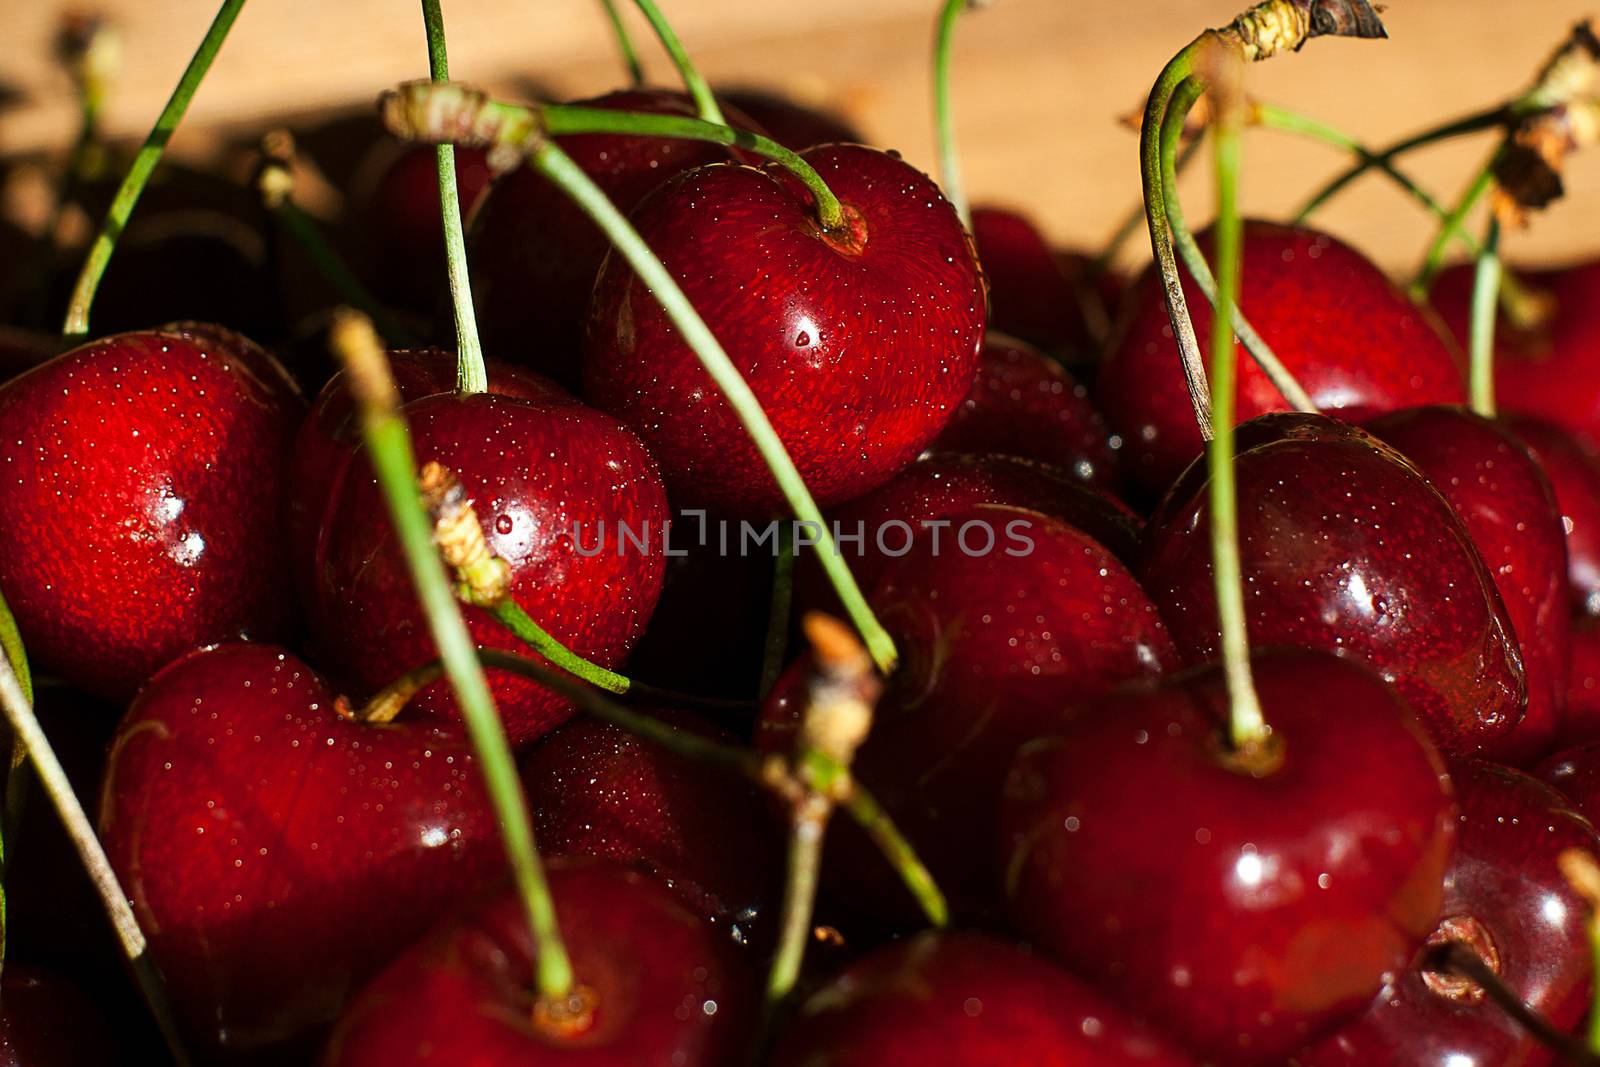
point(1040, 85)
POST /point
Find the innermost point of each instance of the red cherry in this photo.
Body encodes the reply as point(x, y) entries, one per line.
point(1581, 716)
point(1353, 340)
point(1505, 501)
point(995, 648)
point(666, 987)
point(1041, 296)
point(1347, 549)
point(143, 475)
point(1244, 909)
point(535, 254)
point(859, 345)
point(596, 790)
point(1025, 404)
point(1506, 899)
point(967, 999)
point(45, 1021)
point(543, 474)
point(791, 124)
point(276, 852)
point(1574, 471)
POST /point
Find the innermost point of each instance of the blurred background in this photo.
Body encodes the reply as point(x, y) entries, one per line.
point(1041, 87)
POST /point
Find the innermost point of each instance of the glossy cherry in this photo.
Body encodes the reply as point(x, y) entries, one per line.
point(859, 344)
point(596, 790)
point(1025, 404)
point(1347, 549)
point(277, 853)
point(942, 999)
point(1506, 899)
point(1574, 471)
point(144, 476)
point(1581, 714)
point(1243, 907)
point(790, 123)
point(1353, 340)
point(667, 988)
point(996, 647)
point(1052, 300)
point(1503, 498)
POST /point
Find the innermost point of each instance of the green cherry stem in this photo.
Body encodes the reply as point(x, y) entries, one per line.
point(808, 824)
point(705, 103)
point(388, 443)
point(619, 33)
point(471, 375)
point(1433, 259)
point(1130, 225)
point(1485, 301)
point(16, 787)
point(776, 645)
point(944, 112)
point(144, 163)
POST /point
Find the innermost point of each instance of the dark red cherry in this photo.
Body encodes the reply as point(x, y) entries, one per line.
point(1506, 899)
point(401, 225)
point(1547, 369)
point(1581, 715)
point(961, 998)
point(666, 988)
point(790, 123)
point(277, 852)
point(143, 477)
point(1353, 340)
point(1042, 296)
point(45, 1021)
point(1575, 771)
point(1243, 907)
point(596, 790)
point(1347, 549)
point(1505, 501)
point(568, 498)
point(998, 640)
point(1024, 404)
point(535, 254)
point(858, 344)
point(1574, 471)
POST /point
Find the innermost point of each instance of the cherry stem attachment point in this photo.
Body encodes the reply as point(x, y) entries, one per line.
point(619, 32)
point(776, 644)
point(944, 112)
point(1485, 301)
point(471, 375)
point(388, 443)
point(1457, 958)
point(144, 164)
point(705, 102)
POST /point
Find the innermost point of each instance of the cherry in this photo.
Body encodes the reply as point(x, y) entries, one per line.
point(995, 648)
point(859, 345)
point(535, 254)
point(656, 985)
point(559, 488)
point(1506, 900)
point(1548, 369)
point(1024, 404)
point(1581, 720)
point(1574, 471)
point(1244, 906)
point(1356, 344)
point(276, 852)
point(963, 998)
point(1505, 501)
point(791, 124)
point(150, 468)
point(45, 1021)
point(1346, 548)
point(596, 790)
point(1048, 298)
point(1575, 771)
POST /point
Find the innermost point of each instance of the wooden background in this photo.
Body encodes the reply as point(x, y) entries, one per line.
point(1040, 85)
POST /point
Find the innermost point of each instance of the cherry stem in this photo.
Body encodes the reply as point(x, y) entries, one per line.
point(1433, 259)
point(17, 770)
point(388, 443)
point(556, 165)
point(1130, 225)
point(619, 32)
point(775, 647)
point(1458, 958)
point(944, 113)
point(705, 102)
point(808, 824)
point(144, 163)
point(471, 375)
point(114, 899)
point(1183, 101)
point(1485, 301)
point(1248, 727)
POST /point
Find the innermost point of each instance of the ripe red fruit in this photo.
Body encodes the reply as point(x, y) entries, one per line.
point(403, 228)
point(859, 344)
point(1042, 296)
point(276, 852)
point(1574, 471)
point(667, 988)
point(962, 998)
point(544, 474)
point(1345, 548)
point(1503, 498)
point(1581, 716)
point(1353, 340)
point(143, 476)
point(1506, 899)
point(1243, 910)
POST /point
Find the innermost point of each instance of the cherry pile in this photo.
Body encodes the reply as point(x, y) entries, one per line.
point(1045, 842)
